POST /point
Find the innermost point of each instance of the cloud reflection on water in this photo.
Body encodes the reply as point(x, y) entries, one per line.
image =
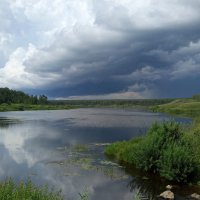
point(44, 136)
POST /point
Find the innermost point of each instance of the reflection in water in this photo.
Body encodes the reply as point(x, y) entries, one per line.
point(148, 186)
point(5, 122)
point(39, 144)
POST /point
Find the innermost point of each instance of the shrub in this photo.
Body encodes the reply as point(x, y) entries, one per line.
point(177, 163)
point(147, 154)
point(165, 150)
point(123, 151)
point(9, 190)
point(149, 151)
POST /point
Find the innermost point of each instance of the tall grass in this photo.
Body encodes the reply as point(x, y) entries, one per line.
point(165, 150)
point(9, 190)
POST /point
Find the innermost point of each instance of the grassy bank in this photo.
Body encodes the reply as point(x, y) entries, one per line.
point(23, 107)
point(168, 149)
point(181, 107)
point(26, 190)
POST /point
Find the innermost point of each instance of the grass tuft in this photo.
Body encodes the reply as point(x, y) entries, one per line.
point(9, 190)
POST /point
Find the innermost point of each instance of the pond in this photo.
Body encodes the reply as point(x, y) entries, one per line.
point(64, 149)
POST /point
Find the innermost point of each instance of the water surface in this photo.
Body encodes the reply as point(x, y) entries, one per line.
point(43, 145)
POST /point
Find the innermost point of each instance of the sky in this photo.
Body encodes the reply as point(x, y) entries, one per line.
point(101, 49)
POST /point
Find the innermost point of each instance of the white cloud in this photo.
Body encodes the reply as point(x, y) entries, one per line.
point(182, 62)
point(6, 40)
point(14, 73)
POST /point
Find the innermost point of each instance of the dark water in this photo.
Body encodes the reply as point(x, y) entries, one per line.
point(44, 145)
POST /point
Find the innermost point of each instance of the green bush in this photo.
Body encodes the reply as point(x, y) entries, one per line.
point(149, 151)
point(166, 150)
point(147, 154)
point(177, 163)
point(123, 151)
point(9, 190)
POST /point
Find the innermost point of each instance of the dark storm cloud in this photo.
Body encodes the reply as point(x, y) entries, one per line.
point(105, 49)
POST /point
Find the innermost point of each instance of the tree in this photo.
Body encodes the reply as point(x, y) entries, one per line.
point(42, 99)
point(9, 96)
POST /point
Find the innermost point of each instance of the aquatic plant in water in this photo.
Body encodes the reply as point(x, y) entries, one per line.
point(84, 195)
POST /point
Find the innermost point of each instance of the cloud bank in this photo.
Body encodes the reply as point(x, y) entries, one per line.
point(101, 49)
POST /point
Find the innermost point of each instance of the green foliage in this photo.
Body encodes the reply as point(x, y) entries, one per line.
point(158, 138)
point(42, 100)
point(177, 163)
point(165, 150)
point(9, 190)
point(8, 96)
point(20, 107)
point(123, 151)
point(136, 197)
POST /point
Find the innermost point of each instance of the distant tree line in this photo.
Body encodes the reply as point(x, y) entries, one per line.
point(112, 102)
point(9, 96)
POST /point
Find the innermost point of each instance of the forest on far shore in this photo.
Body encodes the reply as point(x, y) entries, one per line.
point(8, 96)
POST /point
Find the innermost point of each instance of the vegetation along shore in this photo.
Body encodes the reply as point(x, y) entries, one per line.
point(27, 190)
point(12, 100)
point(168, 149)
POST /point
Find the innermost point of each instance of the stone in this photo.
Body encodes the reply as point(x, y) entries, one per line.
point(167, 195)
point(195, 196)
point(169, 187)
